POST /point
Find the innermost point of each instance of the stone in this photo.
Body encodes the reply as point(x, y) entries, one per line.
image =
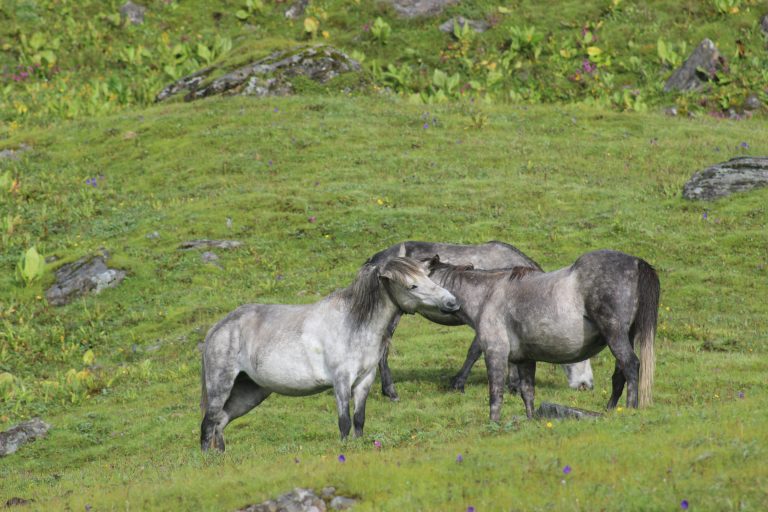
point(15, 437)
point(764, 25)
point(477, 26)
point(15, 502)
point(303, 500)
point(133, 13)
point(89, 274)
point(204, 243)
point(556, 411)
point(268, 76)
point(738, 174)
point(752, 102)
point(14, 154)
point(419, 8)
point(704, 63)
point(296, 10)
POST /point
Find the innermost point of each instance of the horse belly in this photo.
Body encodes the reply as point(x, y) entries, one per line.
point(558, 340)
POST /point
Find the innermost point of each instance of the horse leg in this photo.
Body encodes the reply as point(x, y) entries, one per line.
point(387, 384)
point(497, 365)
point(342, 391)
point(618, 382)
point(629, 365)
point(513, 383)
point(527, 380)
point(218, 383)
point(245, 395)
point(360, 395)
point(473, 354)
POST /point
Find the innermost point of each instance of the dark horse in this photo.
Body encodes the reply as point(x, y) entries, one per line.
point(524, 315)
point(490, 255)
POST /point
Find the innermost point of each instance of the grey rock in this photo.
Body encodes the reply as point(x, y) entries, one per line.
point(703, 64)
point(204, 243)
point(15, 502)
point(764, 25)
point(556, 411)
point(211, 257)
point(419, 8)
point(477, 26)
point(671, 111)
point(153, 235)
point(736, 175)
point(15, 437)
point(13, 154)
point(133, 13)
point(88, 274)
point(752, 102)
point(303, 500)
point(342, 503)
point(269, 76)
point(296, 10)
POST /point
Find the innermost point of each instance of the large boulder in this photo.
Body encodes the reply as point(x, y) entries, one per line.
point(736, 175)
point(89, 274)
point(273, 75)
point(14, 438)
point(703, 64)
point(419, 8)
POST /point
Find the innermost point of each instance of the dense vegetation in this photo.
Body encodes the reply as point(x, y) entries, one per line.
point(312, 185)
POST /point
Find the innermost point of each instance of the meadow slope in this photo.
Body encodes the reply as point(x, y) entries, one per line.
point(315, 185)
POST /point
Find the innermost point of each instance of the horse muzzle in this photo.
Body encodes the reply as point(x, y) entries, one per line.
point(450, 306)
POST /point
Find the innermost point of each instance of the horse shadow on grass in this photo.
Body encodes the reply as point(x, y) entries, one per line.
point(442, 377)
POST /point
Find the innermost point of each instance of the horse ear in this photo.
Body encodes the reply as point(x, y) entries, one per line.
point(433, 262)
point(386, 274)
point(401, 251)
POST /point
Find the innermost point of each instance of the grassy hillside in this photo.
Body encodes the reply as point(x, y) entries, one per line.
point(315, 185)
point(61, 59)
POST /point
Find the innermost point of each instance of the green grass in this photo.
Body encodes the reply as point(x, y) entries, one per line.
point(555, 181)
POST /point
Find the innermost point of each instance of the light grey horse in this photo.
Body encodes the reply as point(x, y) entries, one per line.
point(524, 315)
point(300, 350)
point(490, 255)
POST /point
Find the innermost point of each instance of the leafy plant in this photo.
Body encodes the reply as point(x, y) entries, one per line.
point(525, 42)
point(669, 54)
point(726, 6)
point(31, 266)
point(380, 30)
point(250, 8)
point(443, 87)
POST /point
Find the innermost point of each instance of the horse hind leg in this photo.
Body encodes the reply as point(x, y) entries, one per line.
point(617, 382)
point(527, 371)
point(387, 382)
point(628, 364)
point(217, 386)
point(245, 395)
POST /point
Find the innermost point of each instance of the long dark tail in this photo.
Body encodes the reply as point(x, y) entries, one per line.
point(648, 289)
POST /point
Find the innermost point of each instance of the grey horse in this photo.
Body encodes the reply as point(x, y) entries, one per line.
point(524, 315)
point(304, 349)
point(490, 255)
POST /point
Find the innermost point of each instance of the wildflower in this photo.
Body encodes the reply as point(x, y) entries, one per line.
point(459, 458)
point(684, 504)
point(470, 509)
point(549, 424)
point(276, 110)
point(426, 125)
point(566, 470)
point(704, 216)
point(377, 444)
point(741, 394)
point(296, 460)
point(588, 67)
point(342, 458)
point(744, 145)
point(312, 219)
point(380, 202)
point(619, 409)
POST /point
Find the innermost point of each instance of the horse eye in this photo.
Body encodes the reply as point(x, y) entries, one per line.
point(412, 287)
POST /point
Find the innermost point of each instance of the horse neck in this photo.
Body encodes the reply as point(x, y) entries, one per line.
point(371, 309)
point(470, 288)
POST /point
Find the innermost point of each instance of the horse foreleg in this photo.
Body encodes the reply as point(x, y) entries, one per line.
point(387, 383)
point(527, 380)
point(473, 354)
point(497, 365)
point(342, 392)
point(360, 395)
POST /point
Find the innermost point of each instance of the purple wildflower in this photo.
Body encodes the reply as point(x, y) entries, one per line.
point(684, 504)
point(342, 458)
point(470, 509)
point(588, 67)
point(426, 125)
point(704, 216)
point(296, 460)
point(459, 458)
point(566, 469)
point(312, 219)
point(741, 394)
point(744, 145)
point(276, 109)
point(377, 444)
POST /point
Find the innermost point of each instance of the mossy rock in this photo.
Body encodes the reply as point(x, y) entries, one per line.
point(278, 73)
